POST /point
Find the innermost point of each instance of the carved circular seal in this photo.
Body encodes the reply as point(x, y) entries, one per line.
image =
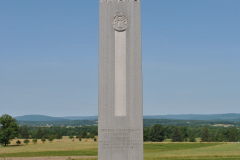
point(120, 21)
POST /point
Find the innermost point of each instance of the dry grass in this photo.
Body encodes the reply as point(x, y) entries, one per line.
point(223, 125)
point(64, 144)
point(170, 140)
point(153, 151)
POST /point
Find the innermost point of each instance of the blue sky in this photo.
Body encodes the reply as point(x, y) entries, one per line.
point(49, 57)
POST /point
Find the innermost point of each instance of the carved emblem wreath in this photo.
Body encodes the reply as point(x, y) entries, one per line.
point(120, 21)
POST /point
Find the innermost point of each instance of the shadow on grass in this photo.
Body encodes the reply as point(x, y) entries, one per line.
point(89, 152)
point(12, 146)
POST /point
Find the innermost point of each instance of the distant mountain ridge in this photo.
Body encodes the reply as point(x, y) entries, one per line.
point(39, 118)
point(207, 117)
point(81, 117)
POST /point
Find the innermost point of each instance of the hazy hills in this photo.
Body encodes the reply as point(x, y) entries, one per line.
point(207, 117)
point(49, 119)
point(39, 118)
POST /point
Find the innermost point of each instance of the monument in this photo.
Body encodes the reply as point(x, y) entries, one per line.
point(120, 115)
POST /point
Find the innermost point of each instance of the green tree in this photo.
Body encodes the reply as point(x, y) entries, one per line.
point(34, 140)
point(25, 133)
point(157, 133)
point(177, 136)
point(95, 139)
point(216, 137)
point(26, 141)
point(84, 134)
point(39, 133)
point(94, 132)
point(8, 130)
point(225, 134)
point(233, 137)
point(45, 132)
point(71, 137)
point(80, 139)
point(146, 135)
point(221, 137)
point(59, 135)
point(205, 135)
point(168, 132)
point(18, 142)
point(20, 132)
point(184, 131)
point(43, 140)
point(192, 137)
point(50, 139)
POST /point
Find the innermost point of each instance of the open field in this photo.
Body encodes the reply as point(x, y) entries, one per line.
point(152, 151)
point(170, 140)
point(223, 125)
point(62, 147)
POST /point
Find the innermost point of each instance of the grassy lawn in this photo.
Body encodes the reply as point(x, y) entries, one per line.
point(63, 147)
point(90, 152)
point(170, 140)
point(152, 151)
point(163, 147)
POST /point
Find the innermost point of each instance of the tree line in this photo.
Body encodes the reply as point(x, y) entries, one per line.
point(159, 133)
point(9, 130)
point(146, 122)
point(180, 123)
point(156, 133)
point(57, 132)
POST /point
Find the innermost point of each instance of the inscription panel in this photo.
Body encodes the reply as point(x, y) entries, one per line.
point(121, 138)
point(120, 73)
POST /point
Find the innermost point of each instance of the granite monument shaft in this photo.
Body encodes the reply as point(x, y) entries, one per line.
point(120, 117)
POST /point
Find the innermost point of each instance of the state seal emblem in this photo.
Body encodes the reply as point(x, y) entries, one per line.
point(120, 21)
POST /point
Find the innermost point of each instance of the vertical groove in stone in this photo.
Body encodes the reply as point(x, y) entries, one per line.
point(120, 73)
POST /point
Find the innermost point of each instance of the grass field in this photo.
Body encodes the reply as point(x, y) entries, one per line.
point(223, 125)
point(152, 151)
point(170, 140)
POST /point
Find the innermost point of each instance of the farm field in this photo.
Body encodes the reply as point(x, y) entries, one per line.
point(152, 151)
point(170, 140)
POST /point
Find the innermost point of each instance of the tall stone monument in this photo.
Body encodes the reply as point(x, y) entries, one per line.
point(120, 115)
